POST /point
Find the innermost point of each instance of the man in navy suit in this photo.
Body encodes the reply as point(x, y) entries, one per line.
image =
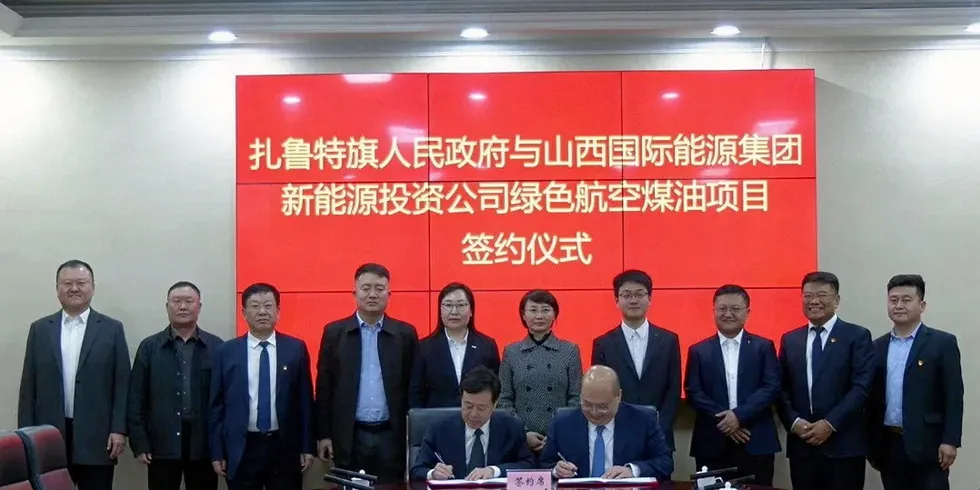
point(732, 383)
point(479, 445)
point(827, 371)
point(916, 408)
point(647, 358)
point(606, 439)
point(261, 414)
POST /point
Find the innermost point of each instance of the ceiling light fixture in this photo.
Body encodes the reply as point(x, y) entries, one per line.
point(669, 95)
point(291, 99)
point(477, 96)
point(973, 28)
point(726, 31)
point(474, 33)
point(222, 37)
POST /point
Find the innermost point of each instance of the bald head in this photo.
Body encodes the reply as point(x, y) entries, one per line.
point(600, 394)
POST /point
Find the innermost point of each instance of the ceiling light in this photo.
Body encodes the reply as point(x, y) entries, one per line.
point(367, 78)
point(291, 99)
point(669, 95)
point(973, 28)
point(474, 33)
point(222, 37)
point(726, 30)
point(477, 96)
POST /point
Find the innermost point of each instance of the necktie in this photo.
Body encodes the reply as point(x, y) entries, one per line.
point(477, 458)
point(599, 453)
point(816, 355)
point(264, 420)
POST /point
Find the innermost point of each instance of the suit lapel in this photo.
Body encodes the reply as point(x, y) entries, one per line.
point(653, 342)
point(829, 348)
point(717, 359)
point(91, 330)
point(458, 459)
point(495, 444)
point(619, 442)
point(282, 367)
point(745, 353)
point(619, 339)
point(445, 356)
point(54, 329)
point(351, 350)
point(387, 351)
point(798, 345)
point(921, 337)
point(470, 354)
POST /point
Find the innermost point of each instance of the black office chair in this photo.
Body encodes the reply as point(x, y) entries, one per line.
point(650, 408)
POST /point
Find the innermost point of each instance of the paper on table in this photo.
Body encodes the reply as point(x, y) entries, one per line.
point(450, 483)
point(623, 481)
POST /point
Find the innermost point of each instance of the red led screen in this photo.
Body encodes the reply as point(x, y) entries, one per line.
point(514, 181)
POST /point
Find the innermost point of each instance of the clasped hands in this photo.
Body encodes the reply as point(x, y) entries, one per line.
point(564, 469)
point(445, 472)
point(729, 425)
point(813, 433)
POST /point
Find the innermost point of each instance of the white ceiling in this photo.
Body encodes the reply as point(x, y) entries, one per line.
point(84, 28)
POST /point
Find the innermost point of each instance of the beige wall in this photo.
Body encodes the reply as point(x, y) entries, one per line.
point(130, 165)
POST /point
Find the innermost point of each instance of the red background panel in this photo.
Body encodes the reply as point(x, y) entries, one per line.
point(375, 107)
point(321, 253)
point(763, 102)
point(774, 248)
point(606, 247)
point(304, 315)
point(532, 105)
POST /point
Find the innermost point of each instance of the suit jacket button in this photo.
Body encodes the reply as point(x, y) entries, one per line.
point(528, 388)
point(549, 388)
point(529, 367)
point(549, 409)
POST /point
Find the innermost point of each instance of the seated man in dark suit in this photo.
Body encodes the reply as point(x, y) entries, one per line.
point(732, 383)
point(916, 405)
point(606, 439)
point(479, 445)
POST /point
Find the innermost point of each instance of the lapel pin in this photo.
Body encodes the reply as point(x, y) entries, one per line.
point(284, 368)
point(833, 339)
point(920, 362)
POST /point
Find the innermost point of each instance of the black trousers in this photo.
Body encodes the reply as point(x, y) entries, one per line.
point(167, 474)
point(900, 473)
point(266, 464)
point(86, 476)
point(819, 472)
point(735, 456)
point(376, 451)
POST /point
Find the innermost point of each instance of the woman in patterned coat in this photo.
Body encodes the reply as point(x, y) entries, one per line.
point(540, 373)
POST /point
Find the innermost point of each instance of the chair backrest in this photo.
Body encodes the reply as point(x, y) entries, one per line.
point(419, 420)
point(46, 457)
point(648, 408)
point(14, 473)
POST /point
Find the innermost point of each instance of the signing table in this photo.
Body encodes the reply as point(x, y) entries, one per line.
point(563, 486)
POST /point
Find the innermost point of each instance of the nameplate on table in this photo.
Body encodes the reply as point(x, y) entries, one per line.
point(640, 482)
point(529, 480)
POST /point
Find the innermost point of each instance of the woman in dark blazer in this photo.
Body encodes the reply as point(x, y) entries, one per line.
point(450, 351)
point(540, 373)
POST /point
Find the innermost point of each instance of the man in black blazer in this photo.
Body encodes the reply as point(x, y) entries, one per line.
point(646, 358)
point(732, 382)
point(916, 406)
point(75, 377)
point(363, 374)
point(479, 445)
point(827, 371)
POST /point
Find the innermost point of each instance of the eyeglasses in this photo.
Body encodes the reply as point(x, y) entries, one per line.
point(822, 296)
point(634, 295)
point(724, 310)
point(542, 311)
point(257, 307)
point(449, 307)
point(596, 408)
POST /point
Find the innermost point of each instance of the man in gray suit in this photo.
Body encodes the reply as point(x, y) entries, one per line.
point(76, 376)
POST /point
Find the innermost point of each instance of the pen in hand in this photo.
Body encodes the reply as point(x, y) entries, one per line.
point(453, 475)
point(574, 473)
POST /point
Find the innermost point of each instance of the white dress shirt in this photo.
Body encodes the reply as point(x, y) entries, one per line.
point(254, 355)
point(470, 439)
point(810, 334)
point(636, 340)
point(72, 333)
point(457, 349)
point(730, 348)
point(607, 438)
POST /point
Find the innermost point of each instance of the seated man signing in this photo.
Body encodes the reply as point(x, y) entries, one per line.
point(606, 439)
point(479, 445)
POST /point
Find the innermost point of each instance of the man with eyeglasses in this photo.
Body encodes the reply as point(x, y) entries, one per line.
point(363, 374)
point(647, 358)
point(169, 392)
point(827, 373)
point(607, 438)
point(732, 381)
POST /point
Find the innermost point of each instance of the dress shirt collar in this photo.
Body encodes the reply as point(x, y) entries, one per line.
point(606, 433)
point(911, 335)
point(253, 341)
point(463, 341)
point(827, 327)
point(471, 432)
point(643, 331)
point(361, 323)
point(82, 319)
point(737, 338)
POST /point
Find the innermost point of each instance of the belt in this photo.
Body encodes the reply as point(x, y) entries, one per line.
point(384, 424)
point(894, 430)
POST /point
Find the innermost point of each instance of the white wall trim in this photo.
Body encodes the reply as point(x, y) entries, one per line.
point(10, 22)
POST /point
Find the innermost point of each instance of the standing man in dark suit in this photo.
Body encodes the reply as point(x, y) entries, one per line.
point(647, 358)
point(261, 414)
point(169, 393)
point(606, 438)
point(479, 445)
point(75, 377)
point(828, 368)
point(916, 406)
point(732, 383)
point(363, 374)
